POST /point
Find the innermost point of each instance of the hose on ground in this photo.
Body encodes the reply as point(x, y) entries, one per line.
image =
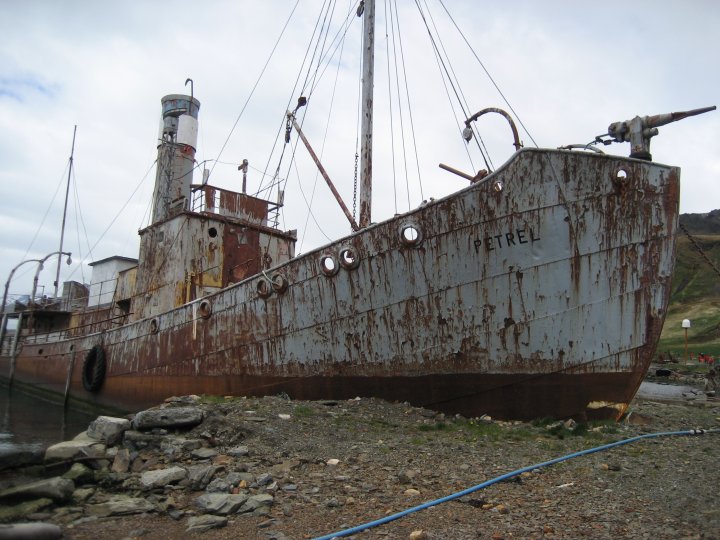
point(506, 476)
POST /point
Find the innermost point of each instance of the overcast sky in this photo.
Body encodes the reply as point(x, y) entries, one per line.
point(567, 68)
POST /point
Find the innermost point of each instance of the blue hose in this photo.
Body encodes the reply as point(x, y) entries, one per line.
point(459, 494)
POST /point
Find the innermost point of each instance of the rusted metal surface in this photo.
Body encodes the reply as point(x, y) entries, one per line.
point(540, 290)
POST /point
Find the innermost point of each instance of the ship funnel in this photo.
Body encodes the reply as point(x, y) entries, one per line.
point(177, 142)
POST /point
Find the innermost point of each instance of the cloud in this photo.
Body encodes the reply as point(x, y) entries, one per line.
point(568, 70)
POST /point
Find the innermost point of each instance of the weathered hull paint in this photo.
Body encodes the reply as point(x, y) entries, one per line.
point(543, 298)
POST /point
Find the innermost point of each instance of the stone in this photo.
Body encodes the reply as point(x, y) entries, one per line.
point(238, 451)
point(80, 474)
point(221, 503)
point(171, 417)
point(332, 462)
point(204, 453)
point(205, 523)
point(121, 463)
point(162, 477)
point(234, 478)
point(284, 467)
point(30, 531)
point(136, 440)
point(219, 485)
point(108, 429)
point(120, 505)
point(264, 479)
point(22, 510)
point(199, 476)
point(57, 489)
point(419, 535)
point(75, 449)
point(412, 492)
point(256, 501)
point(81, 495)
point(185, 400)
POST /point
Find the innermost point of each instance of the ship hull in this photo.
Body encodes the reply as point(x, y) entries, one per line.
point(540, 291)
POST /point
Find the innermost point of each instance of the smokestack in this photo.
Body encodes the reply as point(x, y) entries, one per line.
point(177, 141)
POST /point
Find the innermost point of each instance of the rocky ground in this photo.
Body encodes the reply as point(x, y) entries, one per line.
point(267, 468)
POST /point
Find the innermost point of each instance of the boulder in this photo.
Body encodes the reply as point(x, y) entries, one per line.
point(137, 440)
point(108, 429)
point(57, 489)
point(204, 453)
point(199, 476)
point(169, 417)
point(221, 504)
point(80, 474)
point(162, 477)
point(257, 501)
point(75, 449)
point(205, 523)
point(22, 510)
point(121, 463)
point(30, 531)
point(120, 506)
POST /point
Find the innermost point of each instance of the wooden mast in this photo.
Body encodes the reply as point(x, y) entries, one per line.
point(62, 229)
point(367, 114)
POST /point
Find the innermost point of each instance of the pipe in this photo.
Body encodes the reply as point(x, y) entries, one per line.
point(506, 476)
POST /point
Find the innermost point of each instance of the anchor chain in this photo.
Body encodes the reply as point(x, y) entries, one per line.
point(355, 184)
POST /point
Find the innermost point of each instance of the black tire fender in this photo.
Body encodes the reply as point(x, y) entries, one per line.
point(94, 367)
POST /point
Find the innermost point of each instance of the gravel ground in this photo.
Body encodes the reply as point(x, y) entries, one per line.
point(391, 457)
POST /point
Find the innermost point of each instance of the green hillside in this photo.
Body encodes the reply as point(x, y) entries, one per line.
point(695, 289)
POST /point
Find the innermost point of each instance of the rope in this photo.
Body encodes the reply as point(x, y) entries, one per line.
point(518, 472)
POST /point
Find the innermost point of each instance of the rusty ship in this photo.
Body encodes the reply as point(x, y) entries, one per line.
point(539, 289)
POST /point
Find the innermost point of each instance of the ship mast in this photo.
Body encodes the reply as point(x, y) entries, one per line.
point(62, 228)
point(367, 114)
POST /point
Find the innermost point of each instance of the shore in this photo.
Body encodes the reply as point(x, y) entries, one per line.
point(302, 470)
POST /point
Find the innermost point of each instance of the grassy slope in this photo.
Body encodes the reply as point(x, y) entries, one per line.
point(695, 296)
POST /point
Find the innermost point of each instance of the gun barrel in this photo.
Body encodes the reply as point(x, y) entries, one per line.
point(662, 119)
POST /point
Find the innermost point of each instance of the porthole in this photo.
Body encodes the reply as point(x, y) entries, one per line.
point(264, 289)
point(279, 283)
point(498, 186)
point(348, 258)
point(410, 235)
point(154, 326)
point(205, 309)
point(622, 175)
point(329, 265)
point(212, 232)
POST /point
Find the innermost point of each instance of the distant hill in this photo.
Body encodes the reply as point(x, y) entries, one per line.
point(695, 292)
point(702, 223)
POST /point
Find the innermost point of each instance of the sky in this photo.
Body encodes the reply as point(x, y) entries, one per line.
point(566, 69)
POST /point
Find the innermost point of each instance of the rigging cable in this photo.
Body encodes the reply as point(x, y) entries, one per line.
point(274, 176)
point(267, 62)
point(488, 75)
point(324, 140)
point(400, 112)
point(444, 73)
point(407, 96)
point(390, 100)
point(479, 141)
point(117, 215)
point(79, 220)
point(45, 215)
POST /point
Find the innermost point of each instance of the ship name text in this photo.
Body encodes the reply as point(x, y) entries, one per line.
point(508, 239)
